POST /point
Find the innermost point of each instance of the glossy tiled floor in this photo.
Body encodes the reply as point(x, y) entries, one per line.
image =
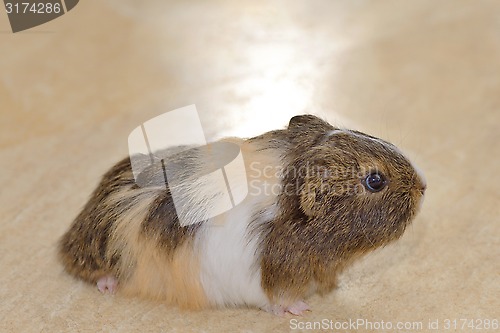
point(423, 74)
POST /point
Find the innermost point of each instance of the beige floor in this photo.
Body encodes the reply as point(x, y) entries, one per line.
point(423, 74)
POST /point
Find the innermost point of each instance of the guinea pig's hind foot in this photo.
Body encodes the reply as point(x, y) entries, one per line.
point(107, 284)
point(298, 308)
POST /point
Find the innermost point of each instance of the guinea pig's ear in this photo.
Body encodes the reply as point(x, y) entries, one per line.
point(313, 192)
point(308, 123)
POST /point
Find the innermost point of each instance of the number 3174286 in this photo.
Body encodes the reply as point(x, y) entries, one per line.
point(32, 8)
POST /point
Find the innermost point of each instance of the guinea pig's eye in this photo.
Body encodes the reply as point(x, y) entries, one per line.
point(374, 182)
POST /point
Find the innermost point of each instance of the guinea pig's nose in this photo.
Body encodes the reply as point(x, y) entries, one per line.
point(423, 186)
point(421, 183)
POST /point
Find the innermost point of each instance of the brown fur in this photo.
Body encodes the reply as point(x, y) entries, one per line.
point(84, 247)
point(116, 223)
point(326, 218)
point(173, 279)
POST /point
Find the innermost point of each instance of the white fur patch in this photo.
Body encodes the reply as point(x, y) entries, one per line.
point(229, 250)
point(230, 274)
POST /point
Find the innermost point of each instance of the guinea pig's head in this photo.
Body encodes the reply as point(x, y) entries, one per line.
point(359, 191)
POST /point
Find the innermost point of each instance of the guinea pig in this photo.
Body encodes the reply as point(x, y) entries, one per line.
point(319, 197)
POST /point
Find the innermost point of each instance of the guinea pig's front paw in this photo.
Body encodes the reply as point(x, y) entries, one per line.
point(298, 308)
point(107, 284)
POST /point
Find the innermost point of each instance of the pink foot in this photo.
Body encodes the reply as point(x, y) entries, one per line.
point(298, 308)
point(107, 284)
